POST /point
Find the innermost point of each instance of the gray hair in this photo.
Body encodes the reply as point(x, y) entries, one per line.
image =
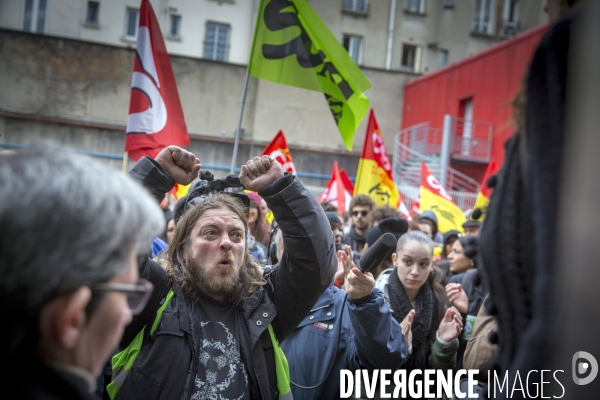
point(416, 236)
point(66, 221)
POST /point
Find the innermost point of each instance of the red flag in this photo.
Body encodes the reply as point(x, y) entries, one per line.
point(347, 182)
point(483, 197)
point(278, 149)
point(155, 114)
point(336, 192)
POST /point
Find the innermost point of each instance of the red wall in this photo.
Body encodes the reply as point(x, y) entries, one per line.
point(491, 77)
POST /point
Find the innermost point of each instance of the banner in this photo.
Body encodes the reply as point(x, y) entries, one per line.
point(278, 149)
point(336, 191)
point(435, 198)
point(292, 46)
point(374, 176)
point(483, 197)
point(155, 114)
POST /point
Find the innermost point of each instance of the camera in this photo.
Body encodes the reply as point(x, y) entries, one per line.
point(206, 187)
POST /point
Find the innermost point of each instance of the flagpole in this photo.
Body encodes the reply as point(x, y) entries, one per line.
point(125, 157)
point(239, 126)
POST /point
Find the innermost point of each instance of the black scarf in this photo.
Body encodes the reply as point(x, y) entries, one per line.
point(357, 242)
point(424, 324)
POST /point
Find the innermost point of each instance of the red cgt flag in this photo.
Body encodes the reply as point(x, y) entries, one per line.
point(337, 191)
point(155, 114)
point(278, 149)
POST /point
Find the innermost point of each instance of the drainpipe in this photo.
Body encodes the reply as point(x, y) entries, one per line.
point(445, 153)
point(390, 41)
point(439, 30)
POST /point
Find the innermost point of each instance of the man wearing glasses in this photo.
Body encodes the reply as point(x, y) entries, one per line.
point(70, 233)
point(218, 334)
point(360, 208)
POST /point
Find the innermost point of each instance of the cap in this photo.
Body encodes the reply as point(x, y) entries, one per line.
point(471, 223)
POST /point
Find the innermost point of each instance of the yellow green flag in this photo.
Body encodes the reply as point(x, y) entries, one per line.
point(292, 46)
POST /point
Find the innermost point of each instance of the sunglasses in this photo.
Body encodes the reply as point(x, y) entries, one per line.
point(137, 293)
point(363, 213)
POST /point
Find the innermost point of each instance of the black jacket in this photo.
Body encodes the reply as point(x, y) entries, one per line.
point(167, 364)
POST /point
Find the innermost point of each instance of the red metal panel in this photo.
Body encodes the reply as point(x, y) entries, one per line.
point(491, 78)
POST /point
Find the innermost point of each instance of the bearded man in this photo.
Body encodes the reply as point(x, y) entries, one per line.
point(219, 332)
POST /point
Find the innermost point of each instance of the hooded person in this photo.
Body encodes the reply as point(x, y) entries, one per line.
point(428, 217)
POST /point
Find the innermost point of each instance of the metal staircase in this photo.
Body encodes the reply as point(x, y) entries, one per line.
point(407, 172)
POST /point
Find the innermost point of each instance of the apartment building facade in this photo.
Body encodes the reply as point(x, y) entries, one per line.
point(209, 40)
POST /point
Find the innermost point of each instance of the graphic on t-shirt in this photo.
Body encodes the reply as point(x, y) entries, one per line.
point(221, 374)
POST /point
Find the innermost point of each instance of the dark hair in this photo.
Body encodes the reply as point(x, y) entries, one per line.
point(470, 245)
point(383, 212)
point(438, 290)
point(251, 274)
point(327, 206)
point(362, 200)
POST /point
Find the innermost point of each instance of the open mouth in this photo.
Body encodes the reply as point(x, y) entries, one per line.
point(224, 263)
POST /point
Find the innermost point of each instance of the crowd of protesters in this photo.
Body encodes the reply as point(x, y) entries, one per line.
point(209, 300)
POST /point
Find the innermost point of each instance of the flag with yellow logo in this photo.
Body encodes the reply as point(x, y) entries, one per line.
point(435, 198)
point(374, 176)
point(278, 149)
point(292, 46)
point(483, 197)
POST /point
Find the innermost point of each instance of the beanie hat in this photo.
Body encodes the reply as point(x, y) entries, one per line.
point(395, 225)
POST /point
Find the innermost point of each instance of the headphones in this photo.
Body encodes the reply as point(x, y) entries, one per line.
point(272, 250)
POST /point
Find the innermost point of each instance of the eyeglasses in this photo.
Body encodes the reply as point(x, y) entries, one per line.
point(363, 213)
point(138, 293)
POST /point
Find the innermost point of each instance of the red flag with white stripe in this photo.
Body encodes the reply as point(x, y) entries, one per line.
point(336, 192)
point(155, 114)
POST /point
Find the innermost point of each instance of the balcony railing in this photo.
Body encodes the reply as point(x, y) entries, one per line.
point(471, 140)
point(508, 29)
point(355, 6)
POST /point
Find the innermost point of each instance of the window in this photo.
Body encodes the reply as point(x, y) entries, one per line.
point(442, 58)
point(510, 19)
point(93, 10)
point(511, 10)
point(354, 46)
point(132, 20)
point(216, 41)
point(415, 6)
point(410, 58)
point(359, 6)
point(34, 15)
point(483, 17)
point(448, 3)
point(175, 26)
